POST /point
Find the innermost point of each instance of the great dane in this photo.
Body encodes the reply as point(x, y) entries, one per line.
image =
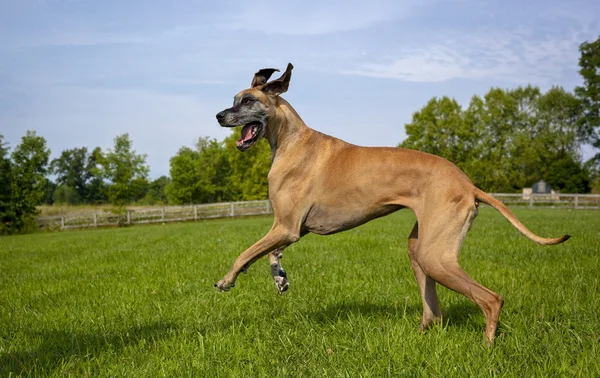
point(321, 184)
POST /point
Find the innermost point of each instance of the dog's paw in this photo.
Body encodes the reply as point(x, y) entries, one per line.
point(282, 284)
point(224, 286)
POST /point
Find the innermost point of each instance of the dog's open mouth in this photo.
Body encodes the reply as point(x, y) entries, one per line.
point(250, 134)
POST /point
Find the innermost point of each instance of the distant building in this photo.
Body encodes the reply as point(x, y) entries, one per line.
point(539, 189)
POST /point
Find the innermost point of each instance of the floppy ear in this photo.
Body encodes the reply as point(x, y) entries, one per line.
point(262, 76)
point(278, 86)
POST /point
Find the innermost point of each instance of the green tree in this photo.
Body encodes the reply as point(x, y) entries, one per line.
point(249, 170)
point(440, 129)
point(65, 195)
point(182, 188)
point(568, 176)
point(7, 214)
point(589, 93)
point(74, 170)
point(156, 192)
point(214, 170)
point(200, 175)
point(504, 141)
point(125, 169)
point(50, 189)
point(28, 178)
point(548, 133)
point(97, 191)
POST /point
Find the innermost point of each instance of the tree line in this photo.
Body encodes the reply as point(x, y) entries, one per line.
point(505, 140)
point(510, 138)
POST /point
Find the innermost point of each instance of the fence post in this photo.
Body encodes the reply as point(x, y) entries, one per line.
point(576, 201)
point(128, 216)
point(232, 209)
point(195, 212)
point(62, 222)
point(268, 206)
point(531, 200)
point(95, 221)
point(162, 210)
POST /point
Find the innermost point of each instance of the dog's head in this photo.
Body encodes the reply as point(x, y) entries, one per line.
point(254, 107)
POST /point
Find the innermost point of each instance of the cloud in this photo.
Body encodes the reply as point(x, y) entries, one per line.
point(491, 56)
point(314, 17)
point(81, 38)
point(436, 63)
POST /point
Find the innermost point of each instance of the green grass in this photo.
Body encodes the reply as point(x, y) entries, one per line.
point(140, 301)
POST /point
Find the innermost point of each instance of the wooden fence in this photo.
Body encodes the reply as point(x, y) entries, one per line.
point(554, 200)
point(156, 215)
point(239, 209)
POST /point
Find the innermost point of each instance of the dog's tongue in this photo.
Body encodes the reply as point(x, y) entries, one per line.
point(246, 134)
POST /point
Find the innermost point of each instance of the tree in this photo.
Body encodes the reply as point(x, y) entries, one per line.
point(7, 215)
point(568, 176)
point(439, 129)
point(589, 93)
point(28, 178)
point(124, 168)
point(156, 193)
point(182, 188)
point(548, 134)
point(504, 141)
point(214, 169)
point(73, 171)
point(96, 188)
point(249, 170)
point(50, 189)
point(200, 175)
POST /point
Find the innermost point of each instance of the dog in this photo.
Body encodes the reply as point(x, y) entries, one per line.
point(321, 184)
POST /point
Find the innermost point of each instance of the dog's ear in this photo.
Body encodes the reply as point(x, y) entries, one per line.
point(262, 76)
point(278, 86)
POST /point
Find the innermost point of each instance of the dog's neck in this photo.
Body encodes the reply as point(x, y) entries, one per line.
point(285, 129)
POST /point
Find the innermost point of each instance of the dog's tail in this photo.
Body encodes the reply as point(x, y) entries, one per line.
point(496, 204)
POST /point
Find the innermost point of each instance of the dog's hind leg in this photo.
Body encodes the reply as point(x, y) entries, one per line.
point(278, 273)
point(438, 257)
point(431, 306)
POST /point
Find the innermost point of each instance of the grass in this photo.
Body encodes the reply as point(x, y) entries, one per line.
point(140, 301)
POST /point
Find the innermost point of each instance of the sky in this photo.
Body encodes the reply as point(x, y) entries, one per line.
point(81, 72)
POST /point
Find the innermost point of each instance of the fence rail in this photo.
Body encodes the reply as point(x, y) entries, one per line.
point(239, 209)
point(550, 200)
point(156, 215)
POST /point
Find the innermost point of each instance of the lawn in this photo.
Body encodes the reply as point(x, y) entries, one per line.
point(139, 301)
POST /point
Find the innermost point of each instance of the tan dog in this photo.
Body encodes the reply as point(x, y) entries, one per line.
point(324, 185)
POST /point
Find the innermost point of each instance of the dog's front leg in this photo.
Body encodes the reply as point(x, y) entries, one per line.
point(276, 238)
point(279, 275)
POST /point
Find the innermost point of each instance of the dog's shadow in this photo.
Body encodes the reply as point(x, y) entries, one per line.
point(351, 309)
point(461, 314)
point(57, 346)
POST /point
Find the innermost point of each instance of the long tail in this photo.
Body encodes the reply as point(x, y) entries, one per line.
point(502, 209)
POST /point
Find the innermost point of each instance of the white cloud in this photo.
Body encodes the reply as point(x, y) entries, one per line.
point(314, 17)
point(515, 56)
point(82, 38)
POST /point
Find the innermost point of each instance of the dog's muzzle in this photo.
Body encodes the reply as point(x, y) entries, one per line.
point(250, 133)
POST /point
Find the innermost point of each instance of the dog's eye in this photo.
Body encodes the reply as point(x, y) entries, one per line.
point(247, 100)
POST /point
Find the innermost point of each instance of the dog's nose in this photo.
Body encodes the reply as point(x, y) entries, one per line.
point(220, 116)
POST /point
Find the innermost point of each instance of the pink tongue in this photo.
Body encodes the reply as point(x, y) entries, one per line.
point(246, 134)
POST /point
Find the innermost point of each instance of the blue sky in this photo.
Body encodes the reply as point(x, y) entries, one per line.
point(81, 72)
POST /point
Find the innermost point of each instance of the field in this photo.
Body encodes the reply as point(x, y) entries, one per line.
point(139, 301)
